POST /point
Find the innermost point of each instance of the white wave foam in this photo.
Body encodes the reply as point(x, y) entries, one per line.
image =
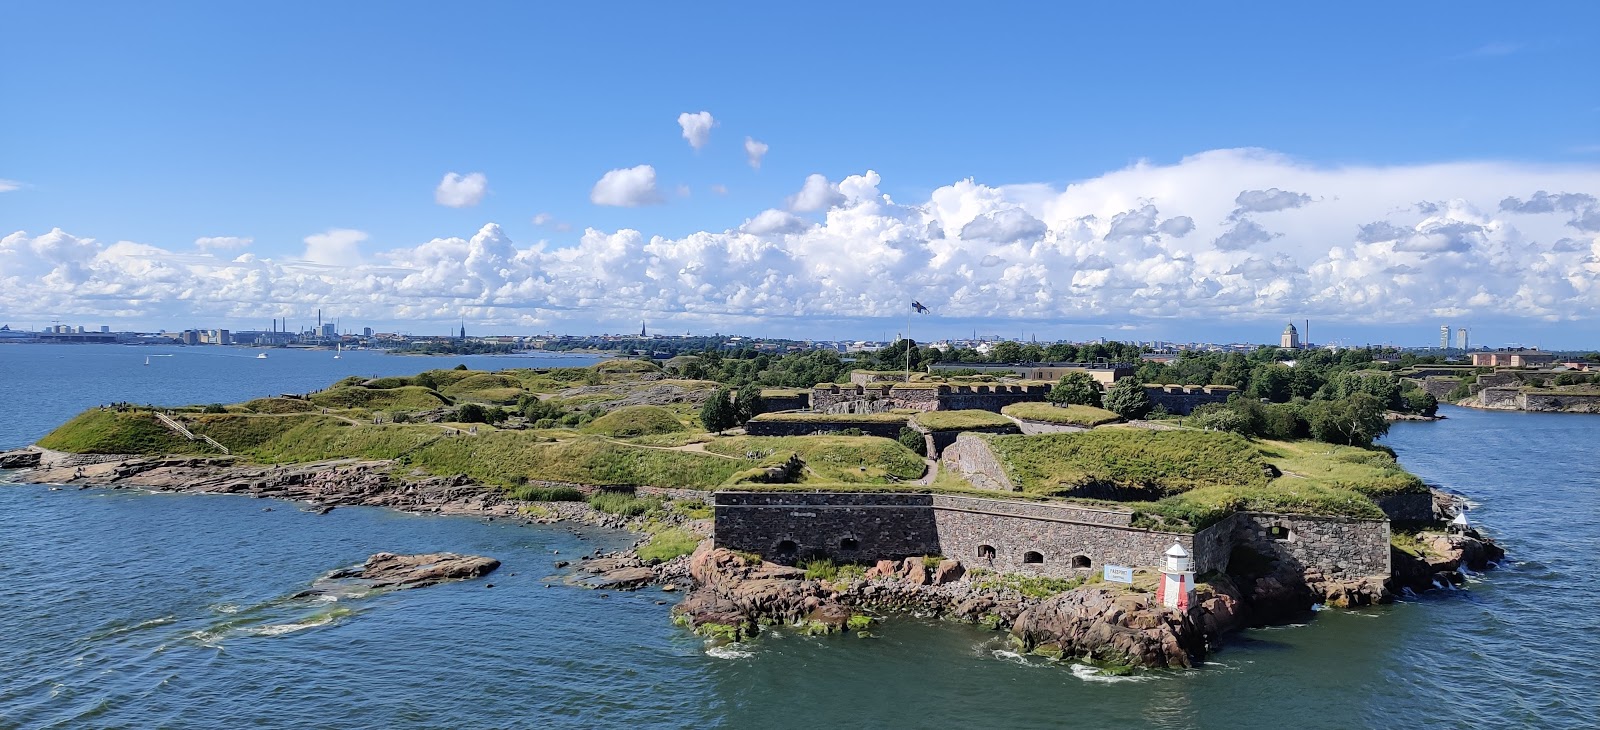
point(1006, 655)
point(731, 650)
point(1093, 674)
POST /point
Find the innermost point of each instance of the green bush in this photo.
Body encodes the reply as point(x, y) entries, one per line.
point(820, 569)
point(913, 439)
point(534, 493)
point(624, 504)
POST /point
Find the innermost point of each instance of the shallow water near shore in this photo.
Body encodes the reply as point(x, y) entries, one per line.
point(127, 609)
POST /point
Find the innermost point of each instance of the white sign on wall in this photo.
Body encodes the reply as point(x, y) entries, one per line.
point(1118, 574)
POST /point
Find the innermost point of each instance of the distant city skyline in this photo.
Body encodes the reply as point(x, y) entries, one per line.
point(237, 165)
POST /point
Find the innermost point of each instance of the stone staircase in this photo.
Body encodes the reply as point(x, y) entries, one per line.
point(186, 433)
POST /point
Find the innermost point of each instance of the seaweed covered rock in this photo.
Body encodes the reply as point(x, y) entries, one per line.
point(1125, 630)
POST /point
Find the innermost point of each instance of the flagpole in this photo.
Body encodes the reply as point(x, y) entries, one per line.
point(908, 344)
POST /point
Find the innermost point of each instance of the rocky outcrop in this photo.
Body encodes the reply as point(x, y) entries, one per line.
point(734, 595)
point(19, 459)
point(1104, 626)
point(388, 570)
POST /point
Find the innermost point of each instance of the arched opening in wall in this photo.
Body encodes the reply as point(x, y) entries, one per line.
point(1032, 557)
point(1081, 562)
point(986, 552)
point(849, 544)
point(786, 549)
point(1280, 533)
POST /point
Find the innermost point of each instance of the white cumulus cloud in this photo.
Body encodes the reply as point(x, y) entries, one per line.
point(461, 191)
point(697, 128)
point(7, 186)
point(816, 194)
point(629, 187)
point(335, 247)
point(754, 151)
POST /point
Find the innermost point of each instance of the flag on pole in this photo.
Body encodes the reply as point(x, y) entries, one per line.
point(916, 305)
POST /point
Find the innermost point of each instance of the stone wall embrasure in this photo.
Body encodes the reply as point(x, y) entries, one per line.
point(1007, 536)
point(1068, 541)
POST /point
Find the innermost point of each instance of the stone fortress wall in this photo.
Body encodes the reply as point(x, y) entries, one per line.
point(1183, 399)
point(1056, 540)
point(883, 397)
point(758, 427)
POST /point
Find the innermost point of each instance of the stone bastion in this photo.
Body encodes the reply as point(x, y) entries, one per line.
point(1046, 539)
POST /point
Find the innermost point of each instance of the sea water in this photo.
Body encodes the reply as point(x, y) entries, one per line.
point(125, 609)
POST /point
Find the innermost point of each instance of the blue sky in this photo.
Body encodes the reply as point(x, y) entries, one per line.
point(165, 123)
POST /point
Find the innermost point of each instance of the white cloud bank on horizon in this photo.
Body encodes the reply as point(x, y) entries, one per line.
point(1241, 235)
point(461, 191)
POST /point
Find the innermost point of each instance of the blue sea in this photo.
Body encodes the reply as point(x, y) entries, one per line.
point(120, 609)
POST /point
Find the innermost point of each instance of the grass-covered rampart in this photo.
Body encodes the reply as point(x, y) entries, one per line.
point(1069, 415)
point(960, 420)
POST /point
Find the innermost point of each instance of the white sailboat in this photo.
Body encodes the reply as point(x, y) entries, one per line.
point(338, 347)
point(147, 361)
point(261, 356)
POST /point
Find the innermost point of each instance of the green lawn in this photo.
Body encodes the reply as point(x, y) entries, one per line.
point(843, 459)
point(1158, 462)
point(1073, 415)
point(960, 420)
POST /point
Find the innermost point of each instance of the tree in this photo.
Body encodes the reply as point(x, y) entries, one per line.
point(1076, 388)
point(471, 413)
point(1127, 398)
point(1272, 382)
point(747, 404)
point(1007, 351)
point(1421, 402)
point(718, 412)
point(1353, 421)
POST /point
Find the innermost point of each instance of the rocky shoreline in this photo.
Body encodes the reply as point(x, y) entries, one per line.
point(731, 596)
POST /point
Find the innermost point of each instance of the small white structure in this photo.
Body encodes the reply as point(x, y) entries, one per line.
point(1459, 524)
point(1177, 579)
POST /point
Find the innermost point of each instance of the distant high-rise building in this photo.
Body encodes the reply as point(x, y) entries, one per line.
point(1461, 340)
point(1444, 337)
point(1290, 339)
point(366, 331)
point(329, 330)
point(463, 329)
point(105, 329)
point(642, 331)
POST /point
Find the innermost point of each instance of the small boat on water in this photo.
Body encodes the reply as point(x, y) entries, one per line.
point(337, 349)
point(147, 361)
point(261, 356)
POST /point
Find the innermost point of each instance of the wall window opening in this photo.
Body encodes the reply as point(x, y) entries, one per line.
point(1081, 562)
point(986, 552)
point(1279, 533)
point(1032, 557)
point(787, 549)
point(850, 544)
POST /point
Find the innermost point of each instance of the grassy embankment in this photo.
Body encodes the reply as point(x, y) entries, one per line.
point(1072, 415)
point(832, 418)
point(1191, 479)
point(829, 459)
point(959, 420)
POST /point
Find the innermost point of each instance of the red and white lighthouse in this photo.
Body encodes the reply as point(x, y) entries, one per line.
point(1177, 579)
